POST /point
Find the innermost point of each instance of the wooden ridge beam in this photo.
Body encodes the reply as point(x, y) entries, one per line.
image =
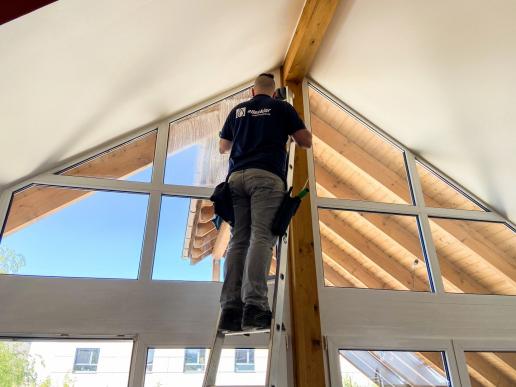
point(310, 30)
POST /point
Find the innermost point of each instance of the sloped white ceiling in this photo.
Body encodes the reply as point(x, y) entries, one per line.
point(440, 76)
point(77, 73)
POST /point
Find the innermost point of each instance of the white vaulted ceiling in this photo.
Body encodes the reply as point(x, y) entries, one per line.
point(437, 75)
point(76, 73)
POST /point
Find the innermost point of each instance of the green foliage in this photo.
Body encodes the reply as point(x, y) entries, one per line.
point(16, 368)
point(68, 381)
point(10, 261)
point(46, 383)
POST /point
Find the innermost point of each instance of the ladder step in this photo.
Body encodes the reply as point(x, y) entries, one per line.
point(248, 332)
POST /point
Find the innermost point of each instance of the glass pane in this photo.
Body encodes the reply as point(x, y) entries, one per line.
point(438, 193)
point(193, 145)
point(169, 369)
point(475, 257)
point(131, 161)
point(370, 250)
point(392, 368)
point(53, 231)
point(53, 363)
point(351, 161)
point(489, 369)
point(189, 247)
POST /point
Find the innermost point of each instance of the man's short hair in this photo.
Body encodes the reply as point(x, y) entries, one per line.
point(265, 82)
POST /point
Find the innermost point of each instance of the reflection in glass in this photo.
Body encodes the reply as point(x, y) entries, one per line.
point(370, 250)
point(438, 193)
point(475, 257)
point(130, 161)
point(351, 161)
point(193, 145)
point(488, 369)
point(66, 363)
point(186, 367)
point(52, 231)
point(392, 368)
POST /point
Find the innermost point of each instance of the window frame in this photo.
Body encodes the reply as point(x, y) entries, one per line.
point(336, 343)
point(478, 345)
point(93, 352)
point(248, 352)
point(200, 354)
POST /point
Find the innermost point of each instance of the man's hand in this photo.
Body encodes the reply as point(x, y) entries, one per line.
point(303, 138)
point(225, 145)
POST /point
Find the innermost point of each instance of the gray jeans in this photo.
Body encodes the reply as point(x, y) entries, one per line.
point(257, 194)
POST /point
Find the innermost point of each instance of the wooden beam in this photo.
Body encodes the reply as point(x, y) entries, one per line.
point(310, 30)
point(307, 340)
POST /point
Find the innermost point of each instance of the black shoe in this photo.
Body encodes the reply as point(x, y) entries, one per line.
point(255, 318)
point(230, 320)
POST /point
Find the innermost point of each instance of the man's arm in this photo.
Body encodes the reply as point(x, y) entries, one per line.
point(225, 145)
point(303, 138)
point(226, 134)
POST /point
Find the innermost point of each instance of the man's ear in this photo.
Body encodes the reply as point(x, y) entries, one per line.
point(252, 91)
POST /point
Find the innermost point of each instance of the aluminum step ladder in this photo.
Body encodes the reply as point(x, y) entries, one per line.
point(277, 326)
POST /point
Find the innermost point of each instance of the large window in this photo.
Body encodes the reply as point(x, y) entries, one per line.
point(186, 367)
point(388, 221)
point(193, 145)
point(65, 363)
point(130, 161)
point(56, 231)
point(392, 368)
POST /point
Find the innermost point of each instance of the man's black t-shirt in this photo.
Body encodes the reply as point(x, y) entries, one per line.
point(259, 129)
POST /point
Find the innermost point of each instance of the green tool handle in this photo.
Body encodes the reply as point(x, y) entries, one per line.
point(303, 193)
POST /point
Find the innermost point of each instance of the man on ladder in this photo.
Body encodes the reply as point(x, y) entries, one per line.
point(256, 133)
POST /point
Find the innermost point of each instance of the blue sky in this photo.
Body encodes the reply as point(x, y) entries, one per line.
point(102, 235)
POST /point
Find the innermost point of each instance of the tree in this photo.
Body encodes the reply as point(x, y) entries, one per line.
point(10, 261)
point(16, 367)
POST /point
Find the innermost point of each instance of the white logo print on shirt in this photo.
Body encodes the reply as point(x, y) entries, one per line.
point(240, 112)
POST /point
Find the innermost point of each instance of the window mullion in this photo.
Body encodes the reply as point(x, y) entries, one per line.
point(138, 364)
point(160, 156)
point(151, 234)
point(424, 225)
